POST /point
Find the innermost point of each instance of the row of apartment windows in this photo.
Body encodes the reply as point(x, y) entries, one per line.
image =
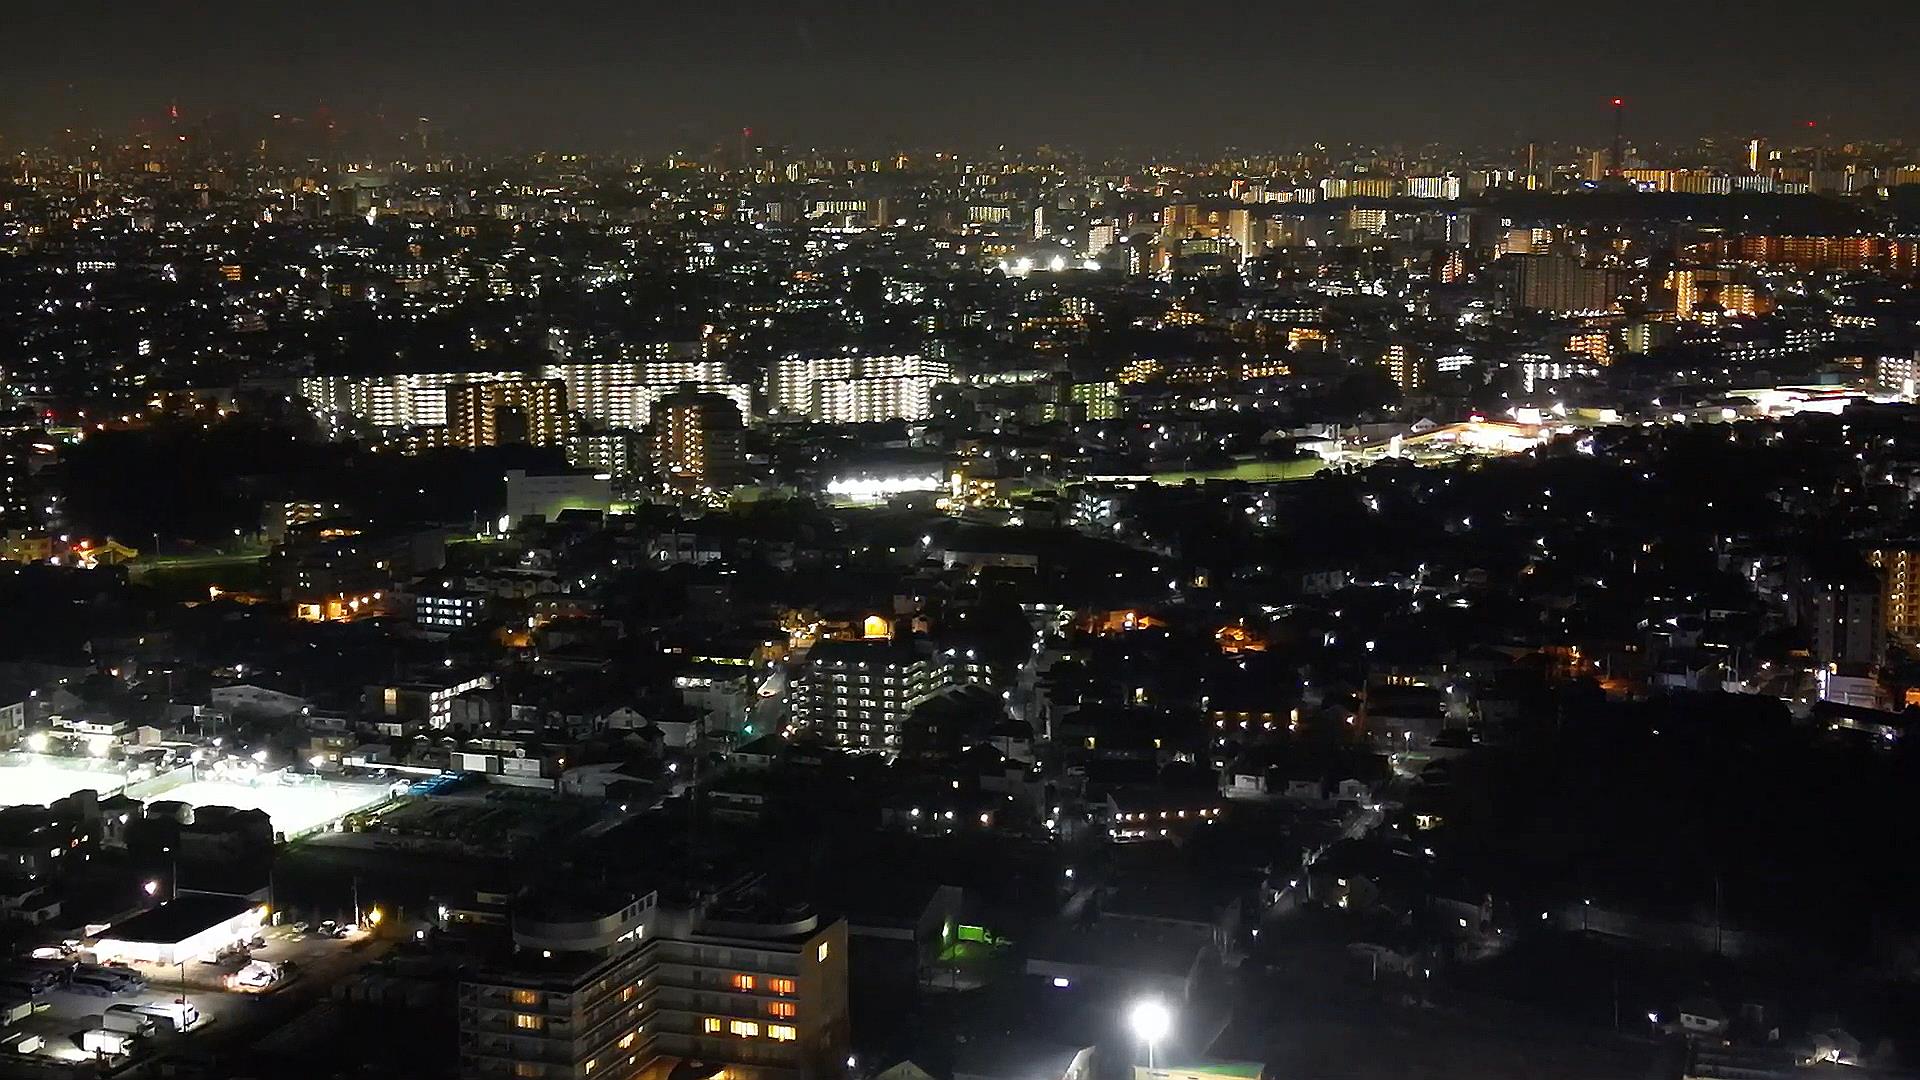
point(749, 1029)
point(775, 984)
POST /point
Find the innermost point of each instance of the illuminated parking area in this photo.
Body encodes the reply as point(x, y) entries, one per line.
point(34, 783)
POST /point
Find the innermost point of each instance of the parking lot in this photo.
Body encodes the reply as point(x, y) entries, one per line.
point(305, 949)
point(60, 1016)
point(296, 951)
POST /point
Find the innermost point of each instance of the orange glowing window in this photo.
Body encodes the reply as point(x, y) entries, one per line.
point(780, 986)
point(782, 1009)
point(743, 982)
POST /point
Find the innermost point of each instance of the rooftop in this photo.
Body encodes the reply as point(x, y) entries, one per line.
point(180, 918)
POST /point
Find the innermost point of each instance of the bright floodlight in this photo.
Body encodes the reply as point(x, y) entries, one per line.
point(1149, 1020)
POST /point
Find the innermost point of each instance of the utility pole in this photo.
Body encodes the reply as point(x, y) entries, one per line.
point(1716, 914)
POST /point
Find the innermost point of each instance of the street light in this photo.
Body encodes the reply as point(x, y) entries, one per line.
point(1149, 1020)
point(151, 887)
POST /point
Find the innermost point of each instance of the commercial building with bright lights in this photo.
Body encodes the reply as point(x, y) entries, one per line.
point(187, 928)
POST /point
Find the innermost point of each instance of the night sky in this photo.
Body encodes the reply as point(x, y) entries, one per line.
point(648, 76)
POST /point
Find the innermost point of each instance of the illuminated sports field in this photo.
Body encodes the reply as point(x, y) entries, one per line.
point(293, 808)
point(38, 784)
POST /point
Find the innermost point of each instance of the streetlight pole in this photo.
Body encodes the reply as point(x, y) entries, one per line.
point(1149, 1020)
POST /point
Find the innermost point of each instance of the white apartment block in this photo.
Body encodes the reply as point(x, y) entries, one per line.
point(854, 389)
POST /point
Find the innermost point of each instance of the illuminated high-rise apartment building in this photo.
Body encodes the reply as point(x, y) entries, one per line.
point(518, 412)
point(696, 441)
point(622, 394)
point(1565, 285)
point(854, 389)
point(1407, 371)
point(1899, 565)
point(617, 987)
point(613, 393)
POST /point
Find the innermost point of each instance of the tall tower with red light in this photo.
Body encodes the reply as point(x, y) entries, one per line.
point(1617, 162)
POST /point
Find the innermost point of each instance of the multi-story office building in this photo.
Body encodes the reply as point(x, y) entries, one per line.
point(858, 693)
point(854, 389)
point(619, 987)
point(696, 441)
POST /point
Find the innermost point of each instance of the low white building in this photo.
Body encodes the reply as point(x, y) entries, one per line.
point(182, 930)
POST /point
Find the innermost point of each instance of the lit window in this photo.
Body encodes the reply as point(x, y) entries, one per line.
point(526, 997)
point(820, 954)
point(782, 1032)
point(780, 986)
point(746, 1029)
point(743, 982)
point(527, 1068)
point(529, 1022)
point(711, 1025)
point(782, 1009)
point(591, 1063)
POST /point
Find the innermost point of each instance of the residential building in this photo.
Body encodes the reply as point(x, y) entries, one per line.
point(854, 389)
point(858, 693)
point(696, 441)
point(621, 987)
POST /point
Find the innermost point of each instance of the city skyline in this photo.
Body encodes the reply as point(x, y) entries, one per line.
point(646, 77)
point(907, 542)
